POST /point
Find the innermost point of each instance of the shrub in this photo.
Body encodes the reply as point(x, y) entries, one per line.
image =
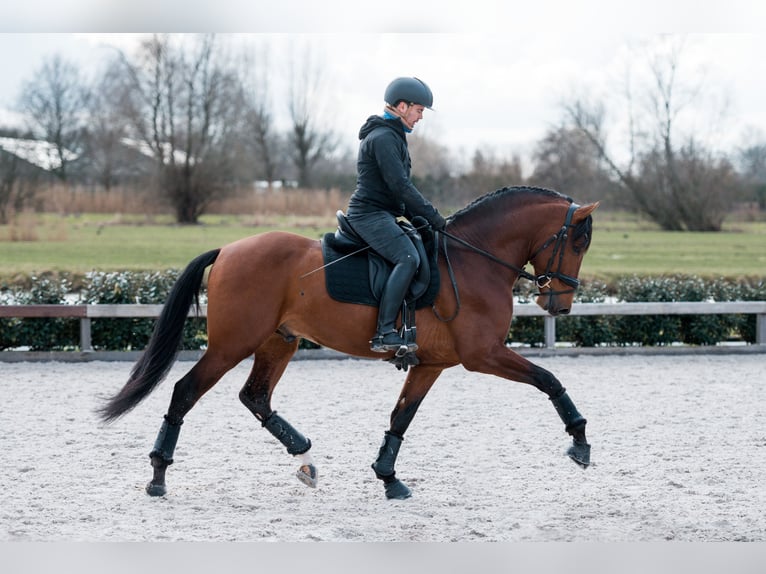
point(748, 290)
point(127, 287)
point(705, 329)
point(526, 330)
point(665, 329)
point(647, 329)
point(650, 330)
point(40, 334)
point(586, 331)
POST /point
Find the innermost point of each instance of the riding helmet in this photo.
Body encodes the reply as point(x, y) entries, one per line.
point(410, 90)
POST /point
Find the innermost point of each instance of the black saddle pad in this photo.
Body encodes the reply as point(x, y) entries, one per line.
point(359, 278)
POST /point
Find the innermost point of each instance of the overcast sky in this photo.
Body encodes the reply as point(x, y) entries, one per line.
point(498, 70)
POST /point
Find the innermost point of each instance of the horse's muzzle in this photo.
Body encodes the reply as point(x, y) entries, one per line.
point(552, 306)
point(558, 312)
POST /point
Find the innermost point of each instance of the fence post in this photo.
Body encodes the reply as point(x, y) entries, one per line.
point(86, 345)
point(550, 331)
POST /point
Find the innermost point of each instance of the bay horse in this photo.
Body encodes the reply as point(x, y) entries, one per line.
point(267, 291)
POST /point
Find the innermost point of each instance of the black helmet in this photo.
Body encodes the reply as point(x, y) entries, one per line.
point(410, 90)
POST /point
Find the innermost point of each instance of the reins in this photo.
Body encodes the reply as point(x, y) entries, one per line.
point(543, 281)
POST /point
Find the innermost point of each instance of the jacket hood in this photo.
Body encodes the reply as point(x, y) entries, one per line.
point(374, 122)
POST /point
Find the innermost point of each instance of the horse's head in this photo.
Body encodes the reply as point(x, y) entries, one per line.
point(529, 224)
point(557, 259)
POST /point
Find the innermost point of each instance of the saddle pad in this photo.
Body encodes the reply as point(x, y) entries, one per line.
point(347, 278)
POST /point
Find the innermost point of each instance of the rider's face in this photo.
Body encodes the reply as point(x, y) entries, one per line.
point(410, 113)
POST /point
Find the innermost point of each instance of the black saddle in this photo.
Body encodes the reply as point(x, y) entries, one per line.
point(356, 274)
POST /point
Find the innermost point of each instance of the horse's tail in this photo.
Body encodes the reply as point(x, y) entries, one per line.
point(164, 344)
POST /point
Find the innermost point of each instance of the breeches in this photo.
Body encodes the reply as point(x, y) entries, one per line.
point(386, 238)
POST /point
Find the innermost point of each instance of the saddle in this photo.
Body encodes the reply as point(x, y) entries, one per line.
point(354, 273)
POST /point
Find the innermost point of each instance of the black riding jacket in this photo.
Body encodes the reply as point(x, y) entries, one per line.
point(383, 173)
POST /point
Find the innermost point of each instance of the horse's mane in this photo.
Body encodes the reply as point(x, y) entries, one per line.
point(512, 193)
point(489, 201)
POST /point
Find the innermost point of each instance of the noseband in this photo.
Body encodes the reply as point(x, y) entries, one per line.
point(543, 281)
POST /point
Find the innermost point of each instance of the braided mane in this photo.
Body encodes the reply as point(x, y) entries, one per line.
point(581, 235)
point(512, 193)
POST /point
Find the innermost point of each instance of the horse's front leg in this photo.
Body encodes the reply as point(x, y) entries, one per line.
point(416, 386)
point(508, 364)
point(574, 424)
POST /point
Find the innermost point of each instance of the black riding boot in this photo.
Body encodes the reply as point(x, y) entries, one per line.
point(387, 338)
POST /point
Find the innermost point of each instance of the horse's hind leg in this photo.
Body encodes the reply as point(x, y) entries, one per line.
point(270, 362)
point(187, 391)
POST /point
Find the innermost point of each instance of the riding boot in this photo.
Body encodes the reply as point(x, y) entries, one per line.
point(387, 338)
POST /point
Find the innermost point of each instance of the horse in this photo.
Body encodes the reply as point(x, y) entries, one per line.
point(267, 291)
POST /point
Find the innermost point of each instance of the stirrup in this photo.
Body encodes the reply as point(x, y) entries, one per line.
point(391, 341)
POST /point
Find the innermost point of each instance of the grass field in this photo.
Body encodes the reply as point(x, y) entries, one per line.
point(622, 245)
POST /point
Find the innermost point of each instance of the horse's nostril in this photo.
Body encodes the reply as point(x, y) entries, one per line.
point(563, 311)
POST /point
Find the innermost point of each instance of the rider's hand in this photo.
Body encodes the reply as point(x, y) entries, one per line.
point(438, 223)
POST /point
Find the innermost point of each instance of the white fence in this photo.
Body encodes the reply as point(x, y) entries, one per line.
point(655, 308)
point(88, 312)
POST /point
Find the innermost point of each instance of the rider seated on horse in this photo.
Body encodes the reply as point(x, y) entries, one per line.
point(384, 192)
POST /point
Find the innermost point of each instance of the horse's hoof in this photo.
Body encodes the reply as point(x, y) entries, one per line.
point(397, 490)
point(156, 489)
point(580, 453)
point(308, 475)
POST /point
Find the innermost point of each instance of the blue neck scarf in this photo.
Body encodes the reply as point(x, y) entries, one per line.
point(389, 116)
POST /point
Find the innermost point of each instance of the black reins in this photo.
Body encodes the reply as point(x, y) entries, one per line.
point(543, 281)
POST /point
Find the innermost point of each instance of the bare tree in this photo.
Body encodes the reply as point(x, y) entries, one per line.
point(752, 165)
point(565, 161)
point(489, 171)
point(106, 131)
point(178, 101)
point(258, 118)
point(309, 142)
point(54, 102)
point(9, 178)
point(430, 167)
point(680, 186)
point(19, 180)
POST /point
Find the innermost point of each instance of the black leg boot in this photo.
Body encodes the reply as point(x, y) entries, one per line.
point(387, 338)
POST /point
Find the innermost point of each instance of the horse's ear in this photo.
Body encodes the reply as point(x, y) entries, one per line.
point(582, 212)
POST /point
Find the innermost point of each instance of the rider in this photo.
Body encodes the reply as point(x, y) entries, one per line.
point(384, 191)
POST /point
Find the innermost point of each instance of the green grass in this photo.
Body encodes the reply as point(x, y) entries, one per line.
point(78, 245)
point(622, 245)
point(649, 252)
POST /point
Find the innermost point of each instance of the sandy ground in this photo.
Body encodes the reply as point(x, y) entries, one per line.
point(679, 452)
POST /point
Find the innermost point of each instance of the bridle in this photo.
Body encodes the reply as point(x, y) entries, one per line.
point(543, 281)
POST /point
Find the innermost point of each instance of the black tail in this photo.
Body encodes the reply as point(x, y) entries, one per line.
point(163, 347)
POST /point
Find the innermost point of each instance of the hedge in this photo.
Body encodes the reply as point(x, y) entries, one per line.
point(586, 331)
point(648, 330)
point(39, 334)
point(124, 287)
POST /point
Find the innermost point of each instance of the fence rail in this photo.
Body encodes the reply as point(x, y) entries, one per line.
point(757, 308)
point(88, 312)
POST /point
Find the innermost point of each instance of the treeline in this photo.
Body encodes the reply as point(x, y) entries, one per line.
point(188, 119)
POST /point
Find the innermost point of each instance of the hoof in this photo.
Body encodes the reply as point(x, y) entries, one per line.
point(580, 453)
point(156, 489)
point(308, 475)
point(397, 490)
